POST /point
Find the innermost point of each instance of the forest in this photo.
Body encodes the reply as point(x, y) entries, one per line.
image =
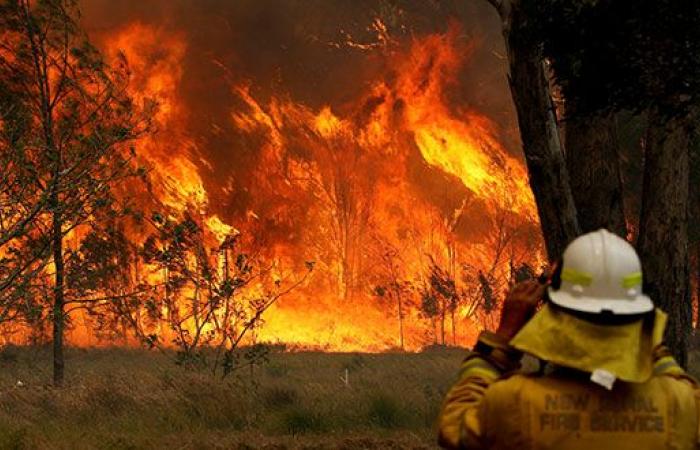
point(225, 194)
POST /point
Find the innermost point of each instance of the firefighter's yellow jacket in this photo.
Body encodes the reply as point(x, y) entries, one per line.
point(642, 401)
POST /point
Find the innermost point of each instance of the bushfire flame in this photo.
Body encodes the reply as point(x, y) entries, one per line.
point(376, 193)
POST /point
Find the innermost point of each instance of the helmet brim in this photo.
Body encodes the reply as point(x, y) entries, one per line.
point(637, 305)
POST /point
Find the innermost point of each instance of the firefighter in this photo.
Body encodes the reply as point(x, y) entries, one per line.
point(605, 381)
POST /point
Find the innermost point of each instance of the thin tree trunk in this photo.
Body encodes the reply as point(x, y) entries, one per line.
point(400, 305)
point(442, 324)
point(453, 274)
point(663, 234)
point(42, 80)
point(57, 242)
point(696, 278)
point(58, 303)
point(346, 263)
point(539, 132)
point(593, 161)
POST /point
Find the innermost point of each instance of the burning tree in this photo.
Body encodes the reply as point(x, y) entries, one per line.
point(343, 173)
point(24, 246)
point(69, 120)
point(337, 170)
point(210, 297)
point(392, 283)
point(102, 276)
point(382, 165)
point(439, 299)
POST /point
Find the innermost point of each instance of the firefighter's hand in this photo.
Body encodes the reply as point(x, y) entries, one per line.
point(519, 307)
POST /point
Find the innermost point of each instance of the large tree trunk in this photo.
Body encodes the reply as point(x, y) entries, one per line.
point(539, 132)
point(663, 234)
point(592, 157)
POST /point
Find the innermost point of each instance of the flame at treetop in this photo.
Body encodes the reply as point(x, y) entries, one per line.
point(383, 192)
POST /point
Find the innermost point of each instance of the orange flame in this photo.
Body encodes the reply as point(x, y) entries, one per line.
point(400, 180)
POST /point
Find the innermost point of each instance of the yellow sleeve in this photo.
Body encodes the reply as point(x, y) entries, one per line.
point(461, 419)
point(666, 365)
point(460, 424)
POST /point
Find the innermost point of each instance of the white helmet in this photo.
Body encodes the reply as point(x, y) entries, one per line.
point(601, 272)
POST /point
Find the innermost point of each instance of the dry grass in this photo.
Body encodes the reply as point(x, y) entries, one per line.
point(133, 399)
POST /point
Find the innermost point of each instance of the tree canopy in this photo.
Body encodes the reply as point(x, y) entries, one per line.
point(612, 55)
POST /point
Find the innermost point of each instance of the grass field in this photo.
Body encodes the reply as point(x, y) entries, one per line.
point(133, 399)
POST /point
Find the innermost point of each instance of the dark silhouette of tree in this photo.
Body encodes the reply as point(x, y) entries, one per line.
point(609, 58)
point(694, 217)
point(438, 299)
point(539, 127)
point(101, 280)
point(392, 285)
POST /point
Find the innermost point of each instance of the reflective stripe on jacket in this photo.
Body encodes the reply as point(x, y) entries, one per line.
point(564, 410)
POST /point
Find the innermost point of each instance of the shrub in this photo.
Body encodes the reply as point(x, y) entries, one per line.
point(278, 397)
point(299, 421)
point(120, 443)
point(355, 363)
point(9, 354)
point(110, 398)
point(215, 407)
point(277, 370)
point(385, 412)
point(14, 439)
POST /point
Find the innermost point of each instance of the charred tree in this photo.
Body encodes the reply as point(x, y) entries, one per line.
point(539, 129)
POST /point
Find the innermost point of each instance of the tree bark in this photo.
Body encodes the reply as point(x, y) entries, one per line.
point(539, 132)
point(592, 157)
point(663, 234)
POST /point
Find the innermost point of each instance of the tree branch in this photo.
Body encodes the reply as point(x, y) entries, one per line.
point(503, 7)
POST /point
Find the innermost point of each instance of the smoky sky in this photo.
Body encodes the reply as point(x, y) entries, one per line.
point(284, 47)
